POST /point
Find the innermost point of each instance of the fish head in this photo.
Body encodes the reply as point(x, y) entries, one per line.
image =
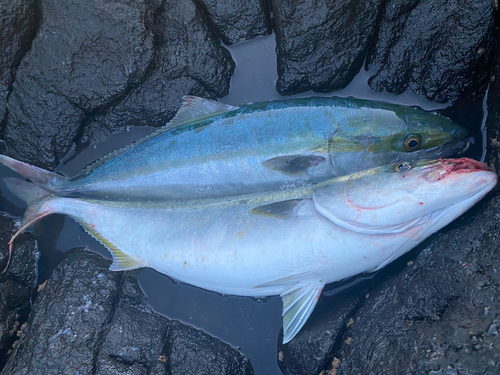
point(395, 198)
point(395, 135)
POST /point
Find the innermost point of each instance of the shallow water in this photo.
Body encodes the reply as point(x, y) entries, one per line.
point(251, 326)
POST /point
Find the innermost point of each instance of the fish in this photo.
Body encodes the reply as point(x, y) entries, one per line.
point(214, 150)
point(288, 243)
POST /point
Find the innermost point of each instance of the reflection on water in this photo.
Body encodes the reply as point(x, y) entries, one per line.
point(251, 326)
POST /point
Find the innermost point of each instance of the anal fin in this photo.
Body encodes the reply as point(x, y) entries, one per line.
point(298, 303)
point(121, 261)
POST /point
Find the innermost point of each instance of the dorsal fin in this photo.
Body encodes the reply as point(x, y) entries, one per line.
point(192, 109)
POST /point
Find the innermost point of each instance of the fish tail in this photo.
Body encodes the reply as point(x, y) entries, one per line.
point(36, 197)
point(39, 176)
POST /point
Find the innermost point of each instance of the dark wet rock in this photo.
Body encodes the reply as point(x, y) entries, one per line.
point(18, 25)
point(134, 339)
point(194, 352)
point(321, 45)
point(68, 317)
point(85, 56)
point(493, 120)
point(440, 49)
point(90, 320)
point(237, 20)
point(311, 351)
point(41, 126)
point(188, 60)
point(16, 284)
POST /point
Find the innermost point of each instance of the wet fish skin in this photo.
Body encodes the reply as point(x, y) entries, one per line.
point(289, 243)
point(214, 150)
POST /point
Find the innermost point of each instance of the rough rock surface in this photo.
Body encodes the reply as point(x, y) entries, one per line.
point(18, 24)
point(312, 349)
point(84, 56)
point(321, 45)
point(67, 320)
point(188, 60)
point(16, 284)
point(193, 352)
point(90, 320)
point(440, 49)
point(237, 20)
point(134, 339)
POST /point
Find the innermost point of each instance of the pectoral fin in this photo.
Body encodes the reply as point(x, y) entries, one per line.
point(299, 300)
point(277, 210)
point(298, 304)
point(293, 165)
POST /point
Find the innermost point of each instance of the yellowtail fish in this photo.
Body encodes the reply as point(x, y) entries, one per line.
point(288, 243)
point(214, 150)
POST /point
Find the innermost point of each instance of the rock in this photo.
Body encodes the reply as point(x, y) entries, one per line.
point(134, 339)
point(311, 351)
point(64, 332)
point(88, 319)
point(18, 24)
point(194, 352)
point(321, 45)
point(16, 284)
point(237, 20)
point(439, 49)
point(85, 56)
point(41, 126)
point(188, 60)
point(493, 119)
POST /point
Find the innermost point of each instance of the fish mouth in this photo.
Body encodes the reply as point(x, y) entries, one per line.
point(446, 167)
point(453, 147)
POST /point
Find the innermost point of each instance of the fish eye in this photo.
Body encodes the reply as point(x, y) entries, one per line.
point(402, 167)
point(412, 142)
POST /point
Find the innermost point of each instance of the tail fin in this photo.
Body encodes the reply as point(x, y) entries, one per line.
point(37, 175)
point(36, 197)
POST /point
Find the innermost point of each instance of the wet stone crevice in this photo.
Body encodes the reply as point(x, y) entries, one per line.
point(237, 20)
